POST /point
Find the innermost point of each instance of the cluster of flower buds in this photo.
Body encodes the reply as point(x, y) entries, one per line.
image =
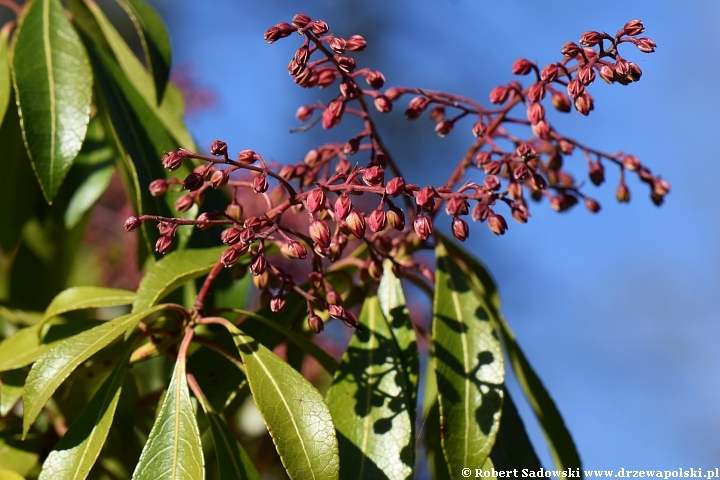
point(318, 206)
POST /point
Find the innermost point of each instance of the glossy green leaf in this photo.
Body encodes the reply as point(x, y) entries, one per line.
point(233, 461)
point(16, 455)
point(154, 40)
point(79, 298)
point(30, 343)
point(9, 475)
point(75, 454)
point(513, 448)
point(57, 364)
point(369, 403)
point(562, 446)
point(392, 302)
point(307, 345)
point(173, 450)
point(468, 366)
point(87, 194)
point(4, 72)
point(53, 84)
point(97, 26)
point(12, 383)
point(173, 270)
point(294, 411)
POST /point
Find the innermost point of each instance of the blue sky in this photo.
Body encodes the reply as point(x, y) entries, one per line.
point(618, 311)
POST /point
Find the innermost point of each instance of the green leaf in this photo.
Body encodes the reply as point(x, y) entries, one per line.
point(468, 365)
point(96, 25)
point(28, 344)
point(87, 194)
point(513, 448)
point(16, 455)
point(294, 411)
point(173, 450)
point(562, 447)
point(323, 358)
point(154, 40)
point(4, 71)
point(173, 270)
point(53, 84)
point(392, 302)
point(56, 365)
point(369, 402)
point(79, 298)
point(9, 475)
point(75, 454)
point(233, 461)
point(12, 383)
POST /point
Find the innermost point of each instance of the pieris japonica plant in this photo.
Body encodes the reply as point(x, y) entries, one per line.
point(245, 261)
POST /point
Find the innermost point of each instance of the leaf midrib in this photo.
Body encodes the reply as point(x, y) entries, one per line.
point(51, 87)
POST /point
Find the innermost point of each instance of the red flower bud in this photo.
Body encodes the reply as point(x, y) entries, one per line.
point(326, 77)
point(277, 303)
point(320, 233)
point(355, 43)
point(132, 223)
point(596, 173)
point(592, 205)
point(158, 187)
point(536, 92)
point(346, 64)
point(645, 45)
point(631, 162)
point(333, 113)
point(416, 107)
point(231, 236)
point(520, 212)
point(396, 218)
point(163, 244)
point(561, 102)
point(586, 75)
point(423, 227)
point(478, 129)
point(607, 73)
point(661, 187)
point(230, 256)
point(260, 184)
point(570, 49)
point(301, 20)
point(634, 27)
point(355, 222)
point(584, 104)
point(203, 221)
point(377, 220)
point(515, 190)
point(437, 113)
point(492, 182)
point(460, 229)
point(425, 198)
point(375, 79)
point(590, 39)
point(193, 182)
point(480, 212)
point(498, 95)
point(247, 156)
point(304, 113)
point(444, 127)
point(496, 223)
point(218, 148)
point(315, 323)
point(373, 175)
point(395, 187)
point(622, 193)
point(622, 67)
point(319, 27)
point(172, 160)
point(343, 205)
point(258, 265)
point(295, 250)
point(219, 179)
point(337, 45)
point(575, 88)
point(315, 200)
point(492, 167)
point(549, 73)
point(167, 228)
point(184, 203)
point(456, 206)
point(522, 66)
point(535, 113)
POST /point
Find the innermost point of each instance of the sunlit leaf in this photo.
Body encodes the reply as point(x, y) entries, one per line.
point(58, 363)
point(369, 403)
point(16, 455)
point(392, 301)
point(562, 446)
point(9, 475)
point(173, 450)
point(75, 454)
point(173, 270)
point(154, 40)
point(11, 388)
point(79, 298)
point(53, 84)
point(468, 365)
point(294, 411)
point(87, 194)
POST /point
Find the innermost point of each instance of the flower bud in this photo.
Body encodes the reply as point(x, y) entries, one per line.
point(230, 256)
point(247, 156)
point(590, 39)
point(333, 113)
point(515, 190)
point(132, 223)
point(277, 303)
point(634, 27)
point(304, 113)
point(395, 187)
point(375, 79)
point(193, 182)
point(496, 223)
point(184, 203)
point(316, 200)
point(343, 205)
point(356, 43)
point(549, 73)
point(258, 265)
point(456, 206)
point(592, 205)
point(377, 220)
point(218, 148)
point(460, 229)
point(586, 75)
point(444, 127)
point(596, 172)
point(375, 269)
point(520, 212)
point(607, 73)
point(423, 227)
point(396, 218)
point(480, 212)
point(492, 183)
point(393, 93)
point(373, 175)
point(294, 250)
point(158, 187)
point(570, 49)
point(646, 45)
point(561, 102)
point(260, 184)
point(498, 95)
point(622, 193)
point(584, 104)
point(231, 236)
point(635, 72)
point(337, 45)
point(301, 20)
point(492, 167)
point(558, 203)
point(522, 66)
point(622, 67)
point(416, 106)
point(315, 323)
point(382, 104)
point(172, 160)
point(478, 129)
point(657, 199)
point(536, 92)
point(320, 233)
point(355, 222)
point(425, 198)
point(346, 64)
point(535, 113)
point(575, 88)
point(661, 187)
point(234, 211)
point(326, 77)
point(167, 228)
point(163, 244)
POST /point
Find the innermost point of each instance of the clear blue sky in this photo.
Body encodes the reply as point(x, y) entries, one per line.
point(618, 311)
